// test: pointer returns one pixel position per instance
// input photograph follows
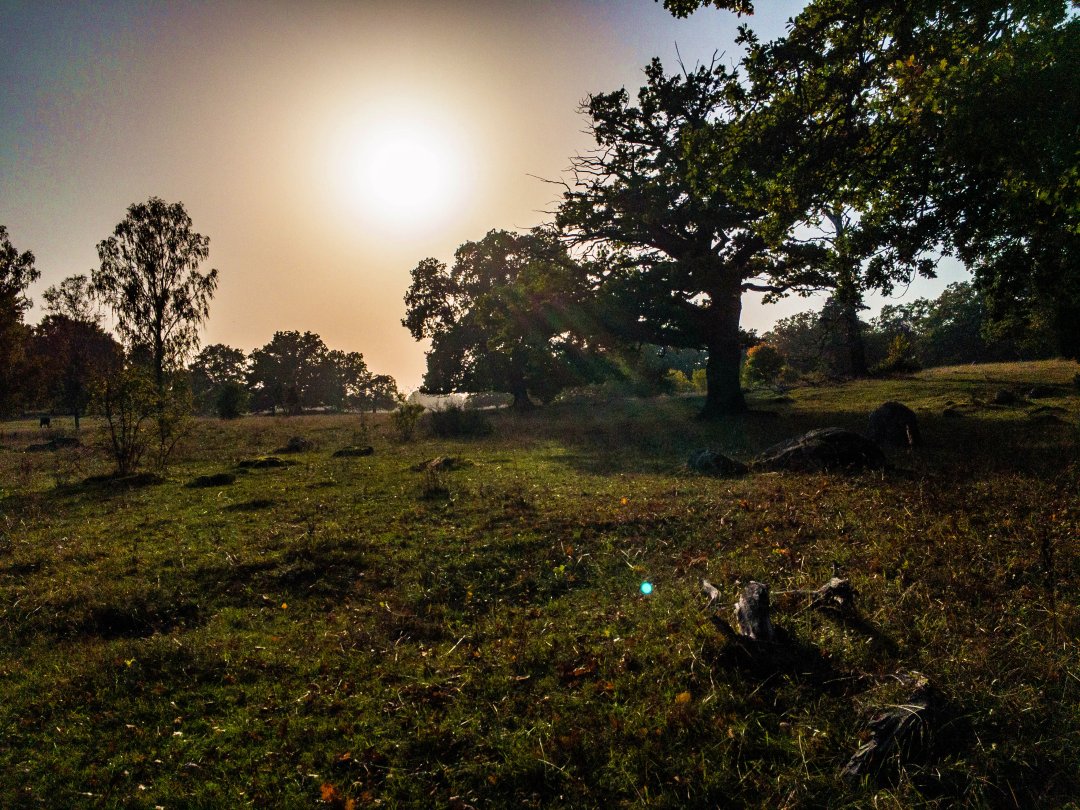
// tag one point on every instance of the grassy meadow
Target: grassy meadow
(345, 632)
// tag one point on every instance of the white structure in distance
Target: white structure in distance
(478, 401)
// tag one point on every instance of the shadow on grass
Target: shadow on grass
(254, 505)
(123, 616)
(658, 436)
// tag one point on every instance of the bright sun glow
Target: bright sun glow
(406, 173)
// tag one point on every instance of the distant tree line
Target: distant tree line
(955, 328)
(150, 281)
(847, 157)
(291, 373)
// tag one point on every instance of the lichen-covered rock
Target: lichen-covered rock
(824, 449)
(711, 462)
(896, 424)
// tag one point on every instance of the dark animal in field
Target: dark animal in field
(45, 422)
(895, 424)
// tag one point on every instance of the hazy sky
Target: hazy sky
(324, 147)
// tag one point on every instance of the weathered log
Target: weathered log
(440, 464)
(835, 595)
(711, 591)
(752, 613)
(354, 451)
(714, 595)
(900, 735)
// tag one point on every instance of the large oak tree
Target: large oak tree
(947, 125)
(678, 253)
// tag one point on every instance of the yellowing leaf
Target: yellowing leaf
(682, 697)
(329, 793)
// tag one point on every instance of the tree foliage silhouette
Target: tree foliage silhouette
(17, 273)
(149, 276)
(505, 316)
(678, 254)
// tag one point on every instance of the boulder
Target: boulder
(824, 449)
(264, 463)
(1005, 397)
(296, 444)
(216, 480)
(349, 452)
(711, 462)
(895, 424)
(1040, 392)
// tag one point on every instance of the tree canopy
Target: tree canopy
(296, 371)
(505, 316)
(149, 275)
(948, 126)
(678, 254)
(73, 298)
(17, 273)
(69, 359)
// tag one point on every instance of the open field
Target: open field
(351, 631)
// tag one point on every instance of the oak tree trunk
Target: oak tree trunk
(723, 394)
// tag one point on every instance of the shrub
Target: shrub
(901, 358)
(231, 401)
(682, 382)
(403, 421)
(128, 402)
(700, 380)
(763, 365)
(454, 421)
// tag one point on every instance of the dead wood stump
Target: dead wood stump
(899, 735)
(752, 613)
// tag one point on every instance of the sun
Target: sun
(407, 173)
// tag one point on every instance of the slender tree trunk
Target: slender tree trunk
(724, 394)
